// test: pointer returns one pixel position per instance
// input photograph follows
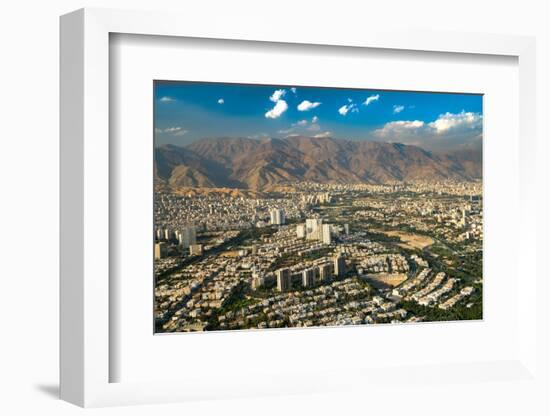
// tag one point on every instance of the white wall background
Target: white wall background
(29, 57)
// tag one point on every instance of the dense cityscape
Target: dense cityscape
(316, 254)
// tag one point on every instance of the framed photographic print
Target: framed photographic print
(293, 212)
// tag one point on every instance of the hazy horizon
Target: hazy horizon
(474, 144)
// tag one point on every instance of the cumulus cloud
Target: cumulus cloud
(166, 99)
(221, 101)
(398, 108)
(397, 128)
(174, 131)
(461, 121)
(345, 109)
(280, 107)
(293, 89)
(323, 135)
(371, 99)
(449, 129)
(277, 95)
(307, 105)
(302, 126)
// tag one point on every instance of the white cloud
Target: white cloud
(396, 128)
(221, 101)
(371, 99)
(174, 131)
(166, 99)
(345, 109)
(453, 122)
(398, 108)
(302, 126)
(293, 89)
(448, 129)
(307, 105)
(277, 95)
(280, 107)
(323, 135)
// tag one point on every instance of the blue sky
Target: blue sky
(188, 111)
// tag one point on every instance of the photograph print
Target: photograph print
(286, 206)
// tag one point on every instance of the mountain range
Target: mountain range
(263, 164)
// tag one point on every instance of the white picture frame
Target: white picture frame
(85, 212)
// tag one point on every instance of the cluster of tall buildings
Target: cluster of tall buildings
(319, 198)
(185, 236)
(311, 275)
(314, 229)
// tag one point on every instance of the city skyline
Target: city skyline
(189, 111)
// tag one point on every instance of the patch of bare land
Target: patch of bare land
(409, 240)
(385, 280)
(284, 189)
(230, 253)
